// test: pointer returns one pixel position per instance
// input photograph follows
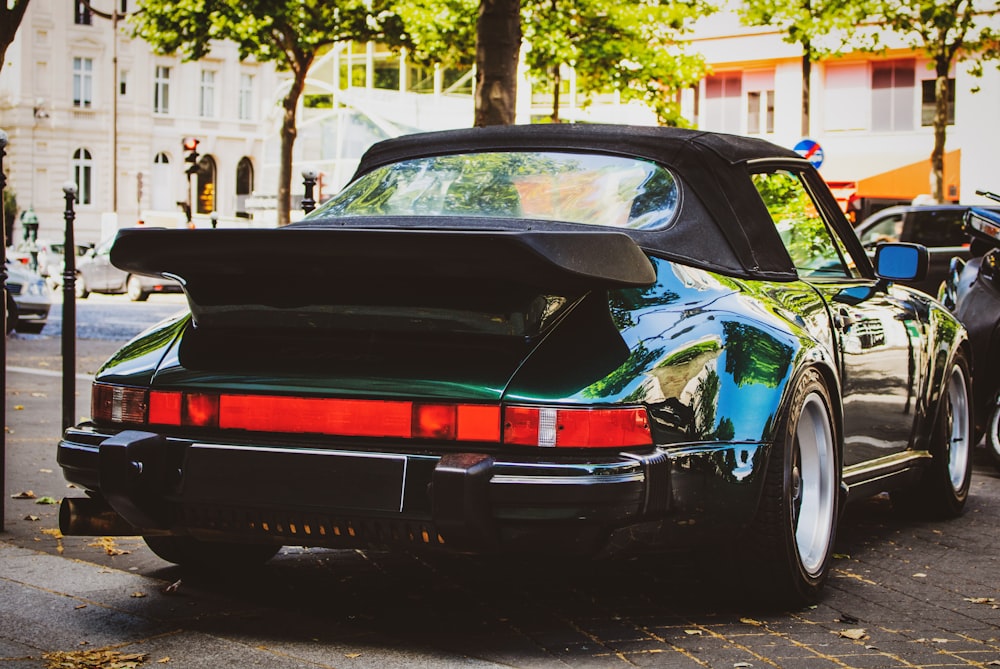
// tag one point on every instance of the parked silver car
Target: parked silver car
(96, 274)
(28, 300)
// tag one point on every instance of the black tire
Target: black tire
(29, 328)
(210, 555)
(11, 313)
(993, 432)
(80, 288)
(133, 288)
(796, 521)
(943, 488)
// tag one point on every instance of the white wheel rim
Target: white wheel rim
(993, 433)
(958, 435)
(814, 485)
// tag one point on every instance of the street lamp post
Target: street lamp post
(309, 182)
(69, 312)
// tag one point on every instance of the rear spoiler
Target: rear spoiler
(289, 267)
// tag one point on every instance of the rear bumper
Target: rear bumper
(460, 501)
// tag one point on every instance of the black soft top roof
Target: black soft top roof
(722, 224)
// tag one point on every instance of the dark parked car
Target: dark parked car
(585, 340)
(936, 226)
(96, 274)
(28, 300)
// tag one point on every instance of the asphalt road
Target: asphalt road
(903, 593)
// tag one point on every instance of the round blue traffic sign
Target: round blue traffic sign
(811, 151)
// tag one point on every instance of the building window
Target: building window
(161, 90)
(83, 175)
(205, 184)
(207, 104)
(723, 97)
(81, 13)
(244, 186)
(893, 83)
(123, 83)
(846, 96)
(246, 97)
(83, 82)
(760, 112)
(928, 106)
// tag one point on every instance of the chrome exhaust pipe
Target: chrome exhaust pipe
(86, 516)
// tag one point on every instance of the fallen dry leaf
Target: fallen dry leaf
(693, 632)
(57, 535)
(46, 500)
(172, 588)
(32, 518)
(93, 659)
(351, 656)
(18, 407)
(856, 634)
(980, 600)
(138, 594)
(163, 660)
(920, 575)
(109, 546)
(24, 494)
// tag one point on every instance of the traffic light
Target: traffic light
(191, 154)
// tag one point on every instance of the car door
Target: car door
(876, 327)
(101, 276)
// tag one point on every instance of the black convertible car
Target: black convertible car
(588, 340)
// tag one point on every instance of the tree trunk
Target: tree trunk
(940, 130)
(288, 134)
(556, 83)
(498, 46)
(10, 19)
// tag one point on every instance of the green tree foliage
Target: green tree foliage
(289, 33)
(949, 32)
(632, 48)
(11, 13)
(442, 32)
(810, 24)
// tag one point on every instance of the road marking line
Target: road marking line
(46, 372)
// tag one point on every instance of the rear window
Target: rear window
(610, 191)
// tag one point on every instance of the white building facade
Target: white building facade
(81, 104)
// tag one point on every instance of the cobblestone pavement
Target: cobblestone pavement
(903, 593)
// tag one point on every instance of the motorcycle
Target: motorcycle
(972, 293)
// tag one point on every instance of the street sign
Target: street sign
(811, 151)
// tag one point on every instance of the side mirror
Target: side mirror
(901, 262)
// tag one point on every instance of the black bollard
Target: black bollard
(309, 181)
(3, 328)
(69, 313)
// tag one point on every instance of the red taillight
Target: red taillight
(200, 410)
(521, 425)
(576, 428)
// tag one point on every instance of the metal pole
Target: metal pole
(69, 313)
(3, 323)
(309, 181)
